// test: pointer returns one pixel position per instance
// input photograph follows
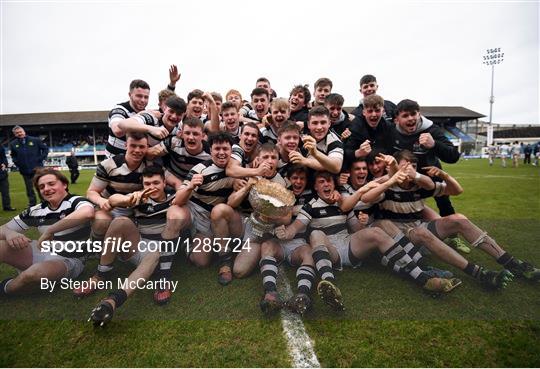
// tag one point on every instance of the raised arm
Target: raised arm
(453, 188)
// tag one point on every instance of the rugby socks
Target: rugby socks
(409, 247)
(474, 270)
(321, 256)
(119, 297)
(400, 262)
(166, 257)
(104, 271)
(269, 271)
(3, 286)
(305, 275)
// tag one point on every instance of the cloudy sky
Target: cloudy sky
(81, 55)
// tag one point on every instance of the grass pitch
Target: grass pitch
(388, 321)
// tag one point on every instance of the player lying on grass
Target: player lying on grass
(156, 226)
(60, 217)
(332, 244)
(403, 203)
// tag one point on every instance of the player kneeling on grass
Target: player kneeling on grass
(403, 203)
(61, 217)
(332, 244)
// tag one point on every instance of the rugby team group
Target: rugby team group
(182, 175)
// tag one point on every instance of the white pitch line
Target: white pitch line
(299, 343)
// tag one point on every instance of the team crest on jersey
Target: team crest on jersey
(150, 208)
(214, 177)
(323, 212)
(30, 143)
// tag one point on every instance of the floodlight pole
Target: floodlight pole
(492, 57)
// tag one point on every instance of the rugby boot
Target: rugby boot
(162, 296)
(331, 295)
(270, 303)
(496, 279)
(459, 245)
(299, 303)
(442, 285)
(523, 269)
(101, 314)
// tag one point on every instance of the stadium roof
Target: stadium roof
(455, 113)
(37, 119)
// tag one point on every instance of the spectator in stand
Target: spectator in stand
(73, 165)
(4, 182)
(27, 153)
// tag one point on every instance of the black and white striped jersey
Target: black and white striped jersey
(42, 217)
(403, 205)
(117, 177)
(319, 215)
(239, 155)
(331, 146)
(115, 144)
(151, 216)
(178, 160)
(367, 208)
(216, 186)
(268, 134)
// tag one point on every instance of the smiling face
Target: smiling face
(359, 173)
(369, 88)
(324, 187)
(221, 153)
(408, 121)
(377, 168)
(249, 139)
(298, 182)
(171, 118)
(297, 101)
(136, 149)
(157, 182)
(19, 133)
(289, 141)
(318, 126)
(138, 98)
(195, 107)
(51, 188)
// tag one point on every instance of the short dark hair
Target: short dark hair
(220, 137)
(405, 155)
(267, 146)
(321, 82)
(367, 78)
(177, 104)
(303, 89)
(138, 83)
(334, 99)
(193, 122)
(250, 125)
(136, 136)
(41, 171)
(262, 79)
(152, 170)
(325, 175)
(196, 93)
(372, 156)
(228, 105)
(358, 160)
(260, 91)
(296, 168)
(289, 126)
(410, 106)
(318, 110)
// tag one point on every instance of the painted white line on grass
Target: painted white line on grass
(299, 343)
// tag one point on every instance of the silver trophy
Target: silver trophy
(269, 201)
